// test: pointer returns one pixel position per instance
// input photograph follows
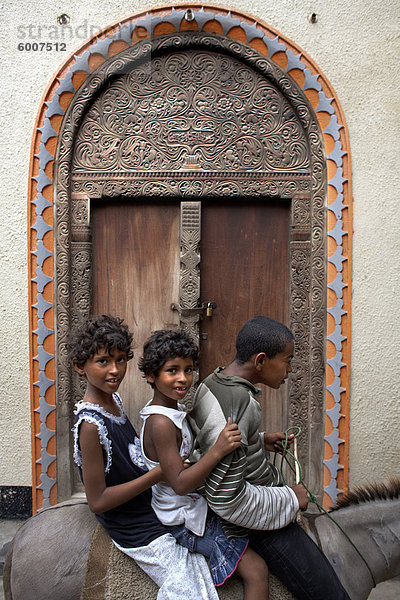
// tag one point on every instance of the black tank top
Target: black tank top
(134, 523)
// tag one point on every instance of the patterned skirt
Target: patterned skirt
(177, 572)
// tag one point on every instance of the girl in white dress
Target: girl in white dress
(169, 357)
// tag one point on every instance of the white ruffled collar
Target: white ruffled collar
(80, 406)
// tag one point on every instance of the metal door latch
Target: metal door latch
(208, 307)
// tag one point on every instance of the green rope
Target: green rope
(289, 458)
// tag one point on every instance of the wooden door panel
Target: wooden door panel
(136, 276)
(244, 269)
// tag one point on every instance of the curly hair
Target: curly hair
(165, 344)
(103, 331)
(261, 334)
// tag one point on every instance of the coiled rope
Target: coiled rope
(294, 465)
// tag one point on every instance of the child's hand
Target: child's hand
(228, 440)
(273, 441)
(302, 495)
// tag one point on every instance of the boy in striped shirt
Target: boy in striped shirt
(245, 489)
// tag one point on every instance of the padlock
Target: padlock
(209, 309)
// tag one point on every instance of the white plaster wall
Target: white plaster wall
(356, 44)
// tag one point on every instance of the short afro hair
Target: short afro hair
(261, 334)
(165, 344)
(103, 331)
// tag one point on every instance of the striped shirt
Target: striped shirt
(244, 489)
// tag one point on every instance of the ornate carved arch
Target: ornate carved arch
(108, 59)
(268, 145)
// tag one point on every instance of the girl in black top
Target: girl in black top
(106, 452)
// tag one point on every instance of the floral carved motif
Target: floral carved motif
(214, 114)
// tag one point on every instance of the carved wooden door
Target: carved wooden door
(196, 167)
(243, 269)
(135, 276)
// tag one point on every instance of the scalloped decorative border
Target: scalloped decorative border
(112, 40)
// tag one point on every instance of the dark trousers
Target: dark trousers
(292, 556)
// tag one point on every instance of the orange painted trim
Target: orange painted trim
(30, 303)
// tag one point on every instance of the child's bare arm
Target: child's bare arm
(185, 480)
(100, 497)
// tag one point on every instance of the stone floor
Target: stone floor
(387, 590)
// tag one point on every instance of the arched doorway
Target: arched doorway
(146, 141)
(199, 117)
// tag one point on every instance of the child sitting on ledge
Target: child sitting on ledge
(106, 450)
(245, 489)
(169, 358)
